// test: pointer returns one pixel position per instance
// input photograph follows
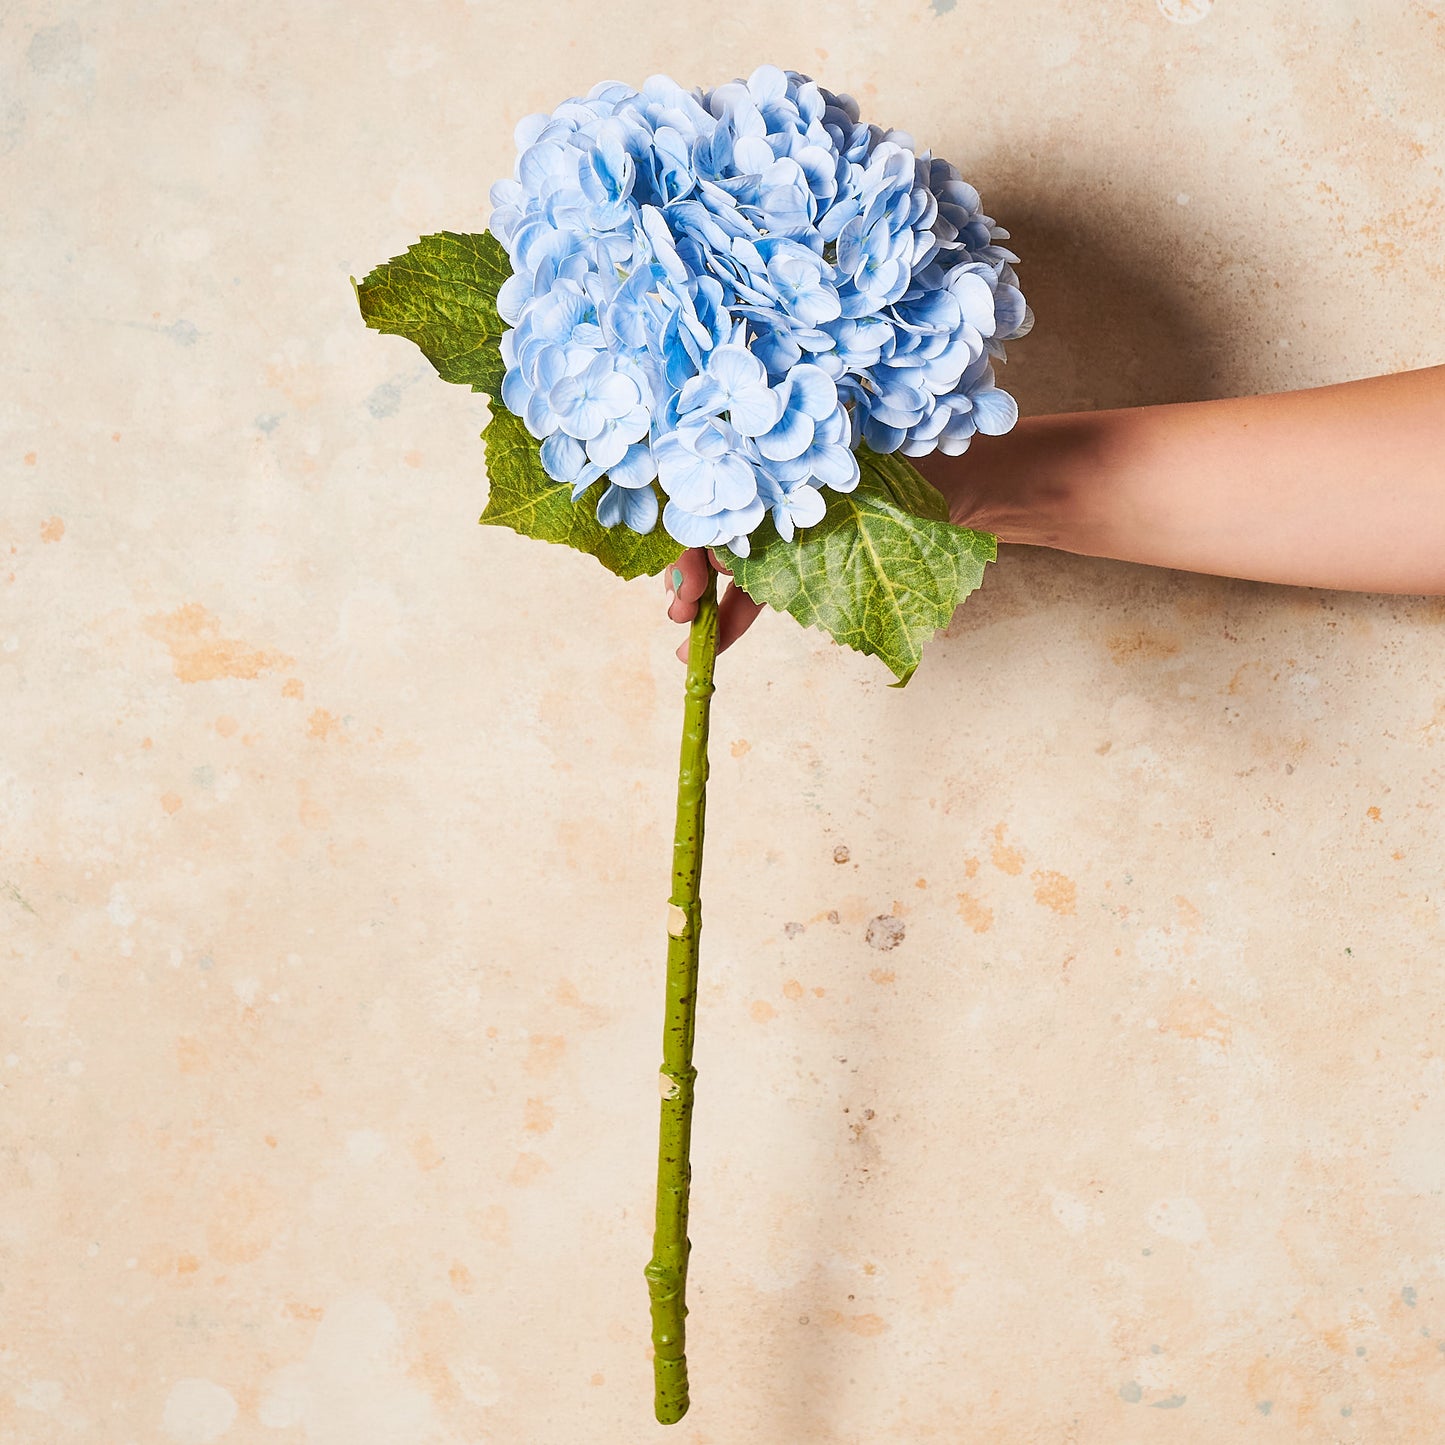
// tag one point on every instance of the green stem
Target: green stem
(667, 1272)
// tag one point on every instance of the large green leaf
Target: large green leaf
(524, 498)
(442, 295)
(881, 572)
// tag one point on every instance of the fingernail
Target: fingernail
(676, 578)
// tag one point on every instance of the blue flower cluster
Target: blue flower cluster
(726, 291)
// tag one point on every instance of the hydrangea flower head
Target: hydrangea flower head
(724, 292)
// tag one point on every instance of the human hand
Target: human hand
(685, 581)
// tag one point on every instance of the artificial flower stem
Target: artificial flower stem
(667, 1271)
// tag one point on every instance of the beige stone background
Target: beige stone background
(334, 829)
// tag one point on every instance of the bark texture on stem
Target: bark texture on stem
(667, 1271)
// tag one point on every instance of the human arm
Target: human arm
(1337, 486)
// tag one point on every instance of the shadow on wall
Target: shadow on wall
(1115, 327)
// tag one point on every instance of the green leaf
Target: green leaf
(442, 295)
(905, 484)
(524, 498)
(881, 572)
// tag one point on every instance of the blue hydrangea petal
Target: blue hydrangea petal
(688, 528)
(610, 445)
(636, 509)
(882, 438)
(636, 469)
(813, 391)
(802, 506)
(790, 438)
(563, 457)
(768, 84)
(837, 467)
(755, 411)
(1009, 308)
(737, 370)
(778, 350)
(994, 411)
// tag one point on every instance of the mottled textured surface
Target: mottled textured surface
(1071, 1057)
